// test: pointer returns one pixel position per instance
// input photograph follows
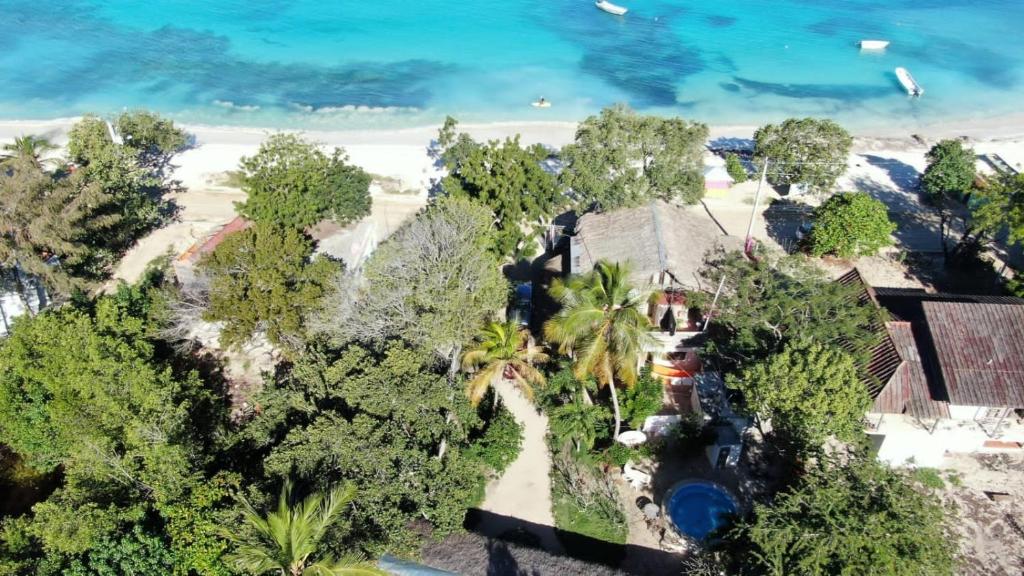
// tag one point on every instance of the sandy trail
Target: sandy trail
(523, 492)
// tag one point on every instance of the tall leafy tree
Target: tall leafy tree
(851, 224)
(601, 326)
(994, 209)
(808, 392)
(768, 302)
(287, 541)
(579, 423)
(806, 151)
(854, 518)
(507, 178)
(620, 158)
(504, 351)
(264, 279)
(433, 283)
(291, 183)
(27, 150)
(153, 139)
(370, 417)
(950, 171)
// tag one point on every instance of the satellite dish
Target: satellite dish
(632, 438)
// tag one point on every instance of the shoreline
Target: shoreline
(402, 153)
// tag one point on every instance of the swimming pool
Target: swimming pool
(697, 508)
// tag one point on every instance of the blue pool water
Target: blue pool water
(698, 508)
(348, 63)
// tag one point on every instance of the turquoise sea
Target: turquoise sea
(346, 64)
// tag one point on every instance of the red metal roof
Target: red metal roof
(980, 351)
(200, 249)
(908, 391)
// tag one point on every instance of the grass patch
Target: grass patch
(585, 502)
(929, 477)
(954, 479)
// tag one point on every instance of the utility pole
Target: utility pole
(748, 244)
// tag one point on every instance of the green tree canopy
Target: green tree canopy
(371, 417)
(263, 279)
(291, 183)
(851, 224)
(433, 283)
(766, 303)
(856, 518)
(950, 170)
(808, 392)
(623, 159)
(505, 177)
(154, 140)
(806, 151)
(995, 209)
(28, 150)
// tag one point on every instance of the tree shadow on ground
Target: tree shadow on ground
(918, 226)
(903, 175)
(783, 218)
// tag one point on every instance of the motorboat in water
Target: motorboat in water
(874, 44)
(611, 8)
(908, 82)
(542, 103)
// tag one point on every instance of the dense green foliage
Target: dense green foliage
(86, 388)
(773, 300)
(506, 178)
(734, 166)
(807, 392)
(601, 325)
(68, 228)
(994, 209)
(372, 417)
(805, 151)
(643, 399)
(433, 283)
(263, 279)
(578, 423)
(287, 540)
(291, 183)
(851, 224)
(624, 159)
(154, 139)
(27, 151)
(499, 443)
(950, 171)
(856, 518)
(504, 351)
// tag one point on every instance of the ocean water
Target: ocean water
(333, 64)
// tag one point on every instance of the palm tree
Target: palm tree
(579, 422)
(601, 326)
(27, 149)
(283, 542)
(504, 350)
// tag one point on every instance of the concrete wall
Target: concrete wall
(906, 440)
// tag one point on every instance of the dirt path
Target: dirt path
(523, 492)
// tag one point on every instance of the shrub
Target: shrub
(500, 442)
(584, 501)
(929, 478)
(643, 399)
(734, 166)
(950, 170)
(851, 224)
(691, 436)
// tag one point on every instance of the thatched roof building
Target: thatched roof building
(664, 243)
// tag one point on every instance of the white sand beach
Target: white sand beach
(887, 164)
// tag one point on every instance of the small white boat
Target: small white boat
(908, 82)
(542, 103)
(874, 44)
(610, 8)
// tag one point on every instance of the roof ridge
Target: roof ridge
(662, 257)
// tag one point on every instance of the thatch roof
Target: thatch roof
(655, 238)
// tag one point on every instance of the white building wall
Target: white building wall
(910, 441)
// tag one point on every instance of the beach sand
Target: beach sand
(885, 163)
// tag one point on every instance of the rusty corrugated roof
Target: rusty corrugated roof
(908, 390)
(883, 359)
(980, 351)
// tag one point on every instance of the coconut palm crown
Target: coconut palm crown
(504, 350)
(26, 149)
(284, 542)
(602, 326)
